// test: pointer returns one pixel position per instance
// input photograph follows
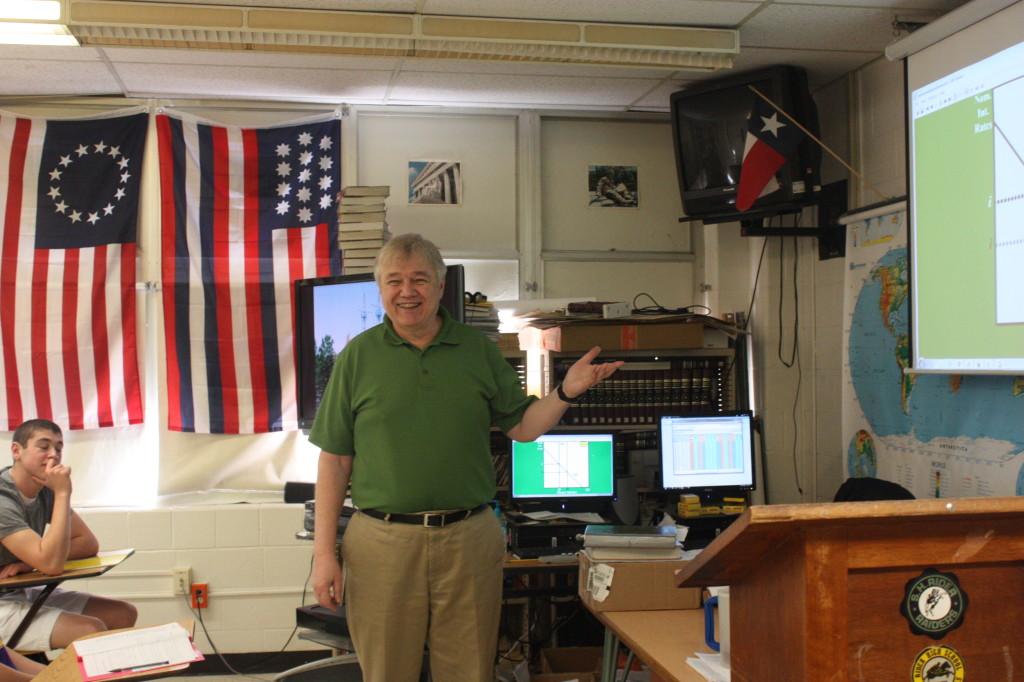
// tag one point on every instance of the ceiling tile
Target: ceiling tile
(657, 99)
(29, 77)
(219, 82)
(676, 12)
(533, 91)
(820, 27)
(939, 5)
(49, 53)
(822, 66)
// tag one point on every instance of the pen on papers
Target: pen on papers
(143, 666)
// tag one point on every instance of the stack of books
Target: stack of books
(644, 391)
(362, 226)
(630, 543)
(482, 315)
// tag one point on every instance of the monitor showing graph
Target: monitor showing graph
(707, 451)
(562, 466)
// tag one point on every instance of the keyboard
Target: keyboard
(538, 552)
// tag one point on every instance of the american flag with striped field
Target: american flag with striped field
(69, 195)
(244, 213)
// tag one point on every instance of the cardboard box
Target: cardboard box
(611, 337)
(508, 343)
(638, 586)
(583, 660)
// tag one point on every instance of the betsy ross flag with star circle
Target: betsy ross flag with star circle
(244, 213)
(70, 198)
(771, 139)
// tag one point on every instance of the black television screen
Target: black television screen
(709, 128)
(329, 311)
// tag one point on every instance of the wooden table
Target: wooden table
(661, 639)
(89, 567)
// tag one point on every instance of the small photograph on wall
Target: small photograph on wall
(613, 187)
(435, 182)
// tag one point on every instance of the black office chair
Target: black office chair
(868, 488)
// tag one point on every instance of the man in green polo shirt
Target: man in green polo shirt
(406, 418)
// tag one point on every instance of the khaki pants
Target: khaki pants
(406, 585)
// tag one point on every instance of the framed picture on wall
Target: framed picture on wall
(613, 186)
(435, 182)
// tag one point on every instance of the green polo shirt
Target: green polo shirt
(418, 421)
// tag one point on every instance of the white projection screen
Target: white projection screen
(965, 132)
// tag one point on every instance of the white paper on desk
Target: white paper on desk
(583, 517)
(711, 667)
(159, 646)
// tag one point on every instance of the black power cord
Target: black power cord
(198, 613)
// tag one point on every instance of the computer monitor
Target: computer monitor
(706, 452)
(564, 471)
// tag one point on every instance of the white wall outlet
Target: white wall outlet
(182, 578)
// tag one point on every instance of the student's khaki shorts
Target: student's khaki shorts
(16, 603)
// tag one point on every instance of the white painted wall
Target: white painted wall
(622, 242)
(246, 553)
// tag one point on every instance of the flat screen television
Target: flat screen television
(329, 311)
(564, 471)
(709, 130)
(707, 453)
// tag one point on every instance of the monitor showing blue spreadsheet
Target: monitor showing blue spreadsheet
(707, 451)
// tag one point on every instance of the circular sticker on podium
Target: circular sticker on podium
(938, 664)
(933, 603)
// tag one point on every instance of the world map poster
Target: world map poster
(936, 435)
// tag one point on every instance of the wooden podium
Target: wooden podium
(820, 591)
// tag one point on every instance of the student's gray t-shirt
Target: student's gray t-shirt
(17, 514)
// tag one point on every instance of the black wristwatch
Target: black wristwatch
(564, 398)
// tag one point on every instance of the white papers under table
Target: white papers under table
(711, 667)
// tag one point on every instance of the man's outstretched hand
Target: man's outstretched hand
(584, 373)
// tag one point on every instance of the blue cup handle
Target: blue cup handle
(709, 623)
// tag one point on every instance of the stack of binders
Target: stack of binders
(631, 543)
(362, 227)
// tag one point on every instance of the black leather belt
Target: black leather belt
(431, 519)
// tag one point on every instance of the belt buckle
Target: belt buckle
(429, 515)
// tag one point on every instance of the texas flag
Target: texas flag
(771, 139)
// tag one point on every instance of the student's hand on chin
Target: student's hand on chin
(58, 477)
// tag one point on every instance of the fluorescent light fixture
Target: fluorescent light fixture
(33, 22)
(22, 33)
(167, 24)
(30, 10)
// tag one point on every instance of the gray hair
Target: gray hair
(409, 244)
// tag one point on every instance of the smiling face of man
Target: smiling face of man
(411, 293)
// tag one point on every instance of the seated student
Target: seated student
(16, 668)
(34, 492)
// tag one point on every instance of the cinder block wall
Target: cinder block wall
(246, 553)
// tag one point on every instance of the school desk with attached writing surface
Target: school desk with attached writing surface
(89, 567)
